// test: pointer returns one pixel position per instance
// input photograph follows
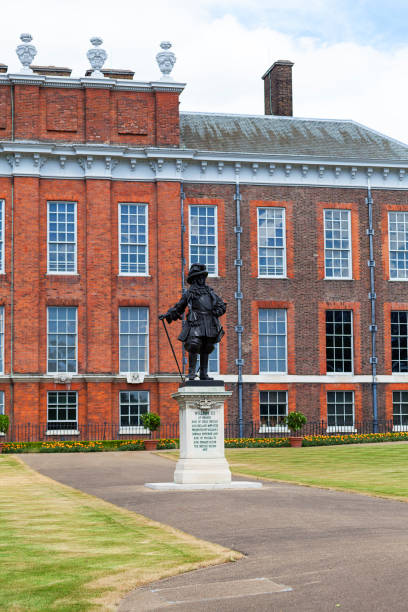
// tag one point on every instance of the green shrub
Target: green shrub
(295, 421)
(151, 421)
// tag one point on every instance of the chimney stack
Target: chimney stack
(278, 89)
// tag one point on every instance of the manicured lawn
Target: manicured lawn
(375, 469)
(63, 550)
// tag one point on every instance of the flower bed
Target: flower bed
(73, 446)
(256, 442)
(318, 440)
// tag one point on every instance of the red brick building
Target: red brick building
(107, 195)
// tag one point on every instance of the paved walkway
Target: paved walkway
(306, 549)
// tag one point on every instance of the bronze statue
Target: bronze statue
(201, 328)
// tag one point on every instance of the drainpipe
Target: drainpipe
(183, 261)
(239, 296)
(372, 297)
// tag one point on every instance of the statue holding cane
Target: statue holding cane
(201, 328)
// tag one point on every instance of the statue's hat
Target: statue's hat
(196, 269)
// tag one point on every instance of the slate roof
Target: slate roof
(287, 136)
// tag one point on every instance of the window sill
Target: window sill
(62, 274)
(396, 280)
(2, 434)
(133, 430)
(267, 429)
(400, 428)
(59, 432)
(338, 279)
(342, 429)
(339, 373)
(273, 277)
(134, 275)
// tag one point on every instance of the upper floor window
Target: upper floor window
(271, 242)
(339, 341)
(2, 410)
(62, 339)
(133, 339)
(337, 244)
(1, 236)
(213, 360)
(133, 239)
(272, 340)
(62, 238)
(399, 340)
(398, 244)
(203, 237)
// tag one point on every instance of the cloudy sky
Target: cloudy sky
(351, 56)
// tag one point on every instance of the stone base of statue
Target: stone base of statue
(202, 463)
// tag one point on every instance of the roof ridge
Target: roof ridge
(272, 117)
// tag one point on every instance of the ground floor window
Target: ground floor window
(62, 411)
(273, 408)
(132, 405)
(400, 410)
(340, 410)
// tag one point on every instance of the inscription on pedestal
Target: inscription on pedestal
(204, 430)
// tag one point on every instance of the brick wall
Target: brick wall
(103, 116)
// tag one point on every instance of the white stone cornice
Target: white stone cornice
(271, 379)
(90, 82)
(116, 162)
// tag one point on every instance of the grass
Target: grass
(375, 469)
(63, 550)
(372, 469)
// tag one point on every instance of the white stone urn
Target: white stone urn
(97, 57)
(26, 53)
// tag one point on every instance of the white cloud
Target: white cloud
(220, 57)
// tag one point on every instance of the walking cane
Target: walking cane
(172, 350)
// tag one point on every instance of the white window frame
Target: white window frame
(351, 372)
(274, 428)
(398, 372)
(350, 250)
(397, 427)
(123, 372)
(56, 272)
(62, 432)
(146, 206)
(284, 274)
(2, 339)
(133, 429)
(404, 279)
(2, 237)
(76, 341)
(217, 351)
(2, 408)
(285, 371)
(341, 428)
(212, 274)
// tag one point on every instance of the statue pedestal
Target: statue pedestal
(202, 458)
(202, 463)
